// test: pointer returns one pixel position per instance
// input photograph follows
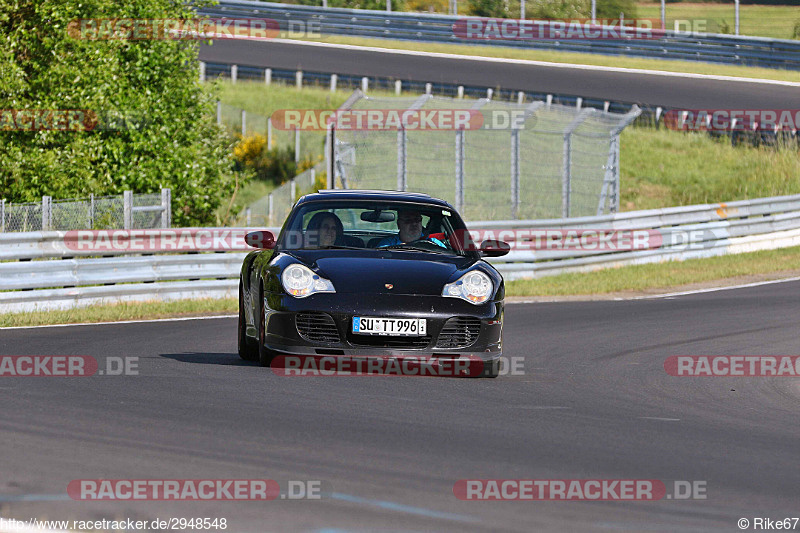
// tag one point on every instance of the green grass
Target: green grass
(776, 22)
(669, 275)
(663, 168)
(123, 311)
(572, 58)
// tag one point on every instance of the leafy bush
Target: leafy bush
(796, 31)
(178, 146)
(276, 165)
(559, 9)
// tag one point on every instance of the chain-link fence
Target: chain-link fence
(272, 210)
(526, 161)
(307, 144)
(129, 211)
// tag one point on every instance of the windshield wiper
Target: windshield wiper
(412, 248)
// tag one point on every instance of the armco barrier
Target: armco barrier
(715, 48)
(47, 270)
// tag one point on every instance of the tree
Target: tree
(43, 67)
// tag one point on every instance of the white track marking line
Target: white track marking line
(538, 63)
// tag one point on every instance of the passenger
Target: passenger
(409, 225)
(324, 229)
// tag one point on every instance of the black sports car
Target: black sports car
(371, 273)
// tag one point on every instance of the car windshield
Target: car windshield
(362, 224)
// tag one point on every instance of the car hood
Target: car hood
(356, 271)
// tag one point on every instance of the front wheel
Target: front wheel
(247, 349)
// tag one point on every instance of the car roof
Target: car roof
(375, 195)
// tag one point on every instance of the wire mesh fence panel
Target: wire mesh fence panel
(22, 217)
(109, 213)
(529, 160)
(146, 219)
(100, 212)
(282, 203)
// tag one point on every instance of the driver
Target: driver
(409, 224)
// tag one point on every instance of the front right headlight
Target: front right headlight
(474, 287)
(300, 281)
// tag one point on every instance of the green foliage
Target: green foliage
(43, 67)
(275, 165)
(488, 8)
(796, 30)
(559, 9)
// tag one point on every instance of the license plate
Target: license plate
(367, 325)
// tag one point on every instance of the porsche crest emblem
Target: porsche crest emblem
(389, 286)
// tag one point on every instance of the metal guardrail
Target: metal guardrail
(715, 48)
(28, 283)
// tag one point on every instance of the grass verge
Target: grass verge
(571, 58)
(122, 311)
(670, 275)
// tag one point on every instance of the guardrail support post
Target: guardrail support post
(460, 91)
(296, 145)
(428, 88)
(166, 208)
(127, 209)
(293, 192)
(489, 93)
(47, 212)
(364, 84)
(202, 71)
(268, 76)
(244, 123)
(269, 209)
(520, 97)
(578, 102)
(401, 160)
(269, 132)
(234, 73)
(298, 79)
(460, 152)
(514, 172)
(398, 87)
(334, 78)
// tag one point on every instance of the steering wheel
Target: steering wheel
(423, 244)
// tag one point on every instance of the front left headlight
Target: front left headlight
(300, 281)
(474, 287)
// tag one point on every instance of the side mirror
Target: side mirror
(492, 248)
(263, 240)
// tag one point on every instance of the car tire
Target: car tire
(265, 355)
(247, 348)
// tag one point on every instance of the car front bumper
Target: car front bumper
(481, 322)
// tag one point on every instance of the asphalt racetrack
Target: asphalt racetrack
(674, 91)
(593, 401)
